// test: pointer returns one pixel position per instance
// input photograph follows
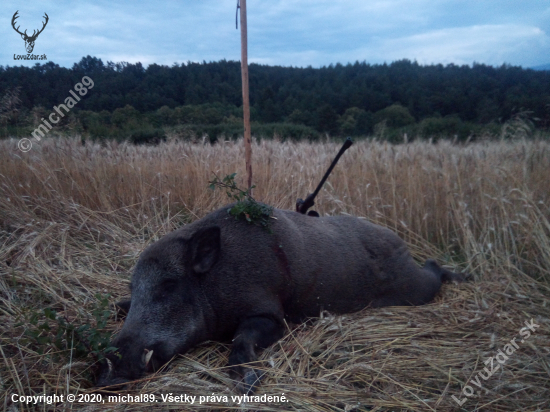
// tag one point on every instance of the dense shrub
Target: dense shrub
(151, 136)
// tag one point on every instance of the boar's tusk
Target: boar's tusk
(147, 356)
(110, 365)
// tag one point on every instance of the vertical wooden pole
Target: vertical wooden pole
(246, 101)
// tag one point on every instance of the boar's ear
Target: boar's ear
(205, 249)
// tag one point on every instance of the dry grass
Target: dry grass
(74, 218)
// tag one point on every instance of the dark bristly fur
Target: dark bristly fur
(220, 278)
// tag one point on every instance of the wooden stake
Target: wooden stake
(246, 101)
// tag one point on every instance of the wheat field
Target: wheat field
(75, 216)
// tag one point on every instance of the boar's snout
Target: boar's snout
(128, 363)
(107, 375)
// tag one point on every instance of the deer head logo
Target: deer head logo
(29, 40)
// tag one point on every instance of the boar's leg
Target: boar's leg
(255, 332)
(419, 287)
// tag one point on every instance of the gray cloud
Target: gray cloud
(285, 32)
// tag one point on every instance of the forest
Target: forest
(196, 99)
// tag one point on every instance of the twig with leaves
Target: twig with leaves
(246, 207)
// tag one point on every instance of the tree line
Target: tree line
(354, 99)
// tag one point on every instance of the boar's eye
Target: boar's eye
(166, 288)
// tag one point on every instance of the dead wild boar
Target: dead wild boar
(222, 279)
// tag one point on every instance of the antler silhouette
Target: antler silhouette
(29, 40)
(34, 36)
(13, 24)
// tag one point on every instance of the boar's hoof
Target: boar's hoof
(444, 274)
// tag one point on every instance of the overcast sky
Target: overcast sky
(283, 32)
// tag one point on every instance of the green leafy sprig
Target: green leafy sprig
(246, 207)
(47, 331)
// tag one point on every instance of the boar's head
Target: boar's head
(168, 312)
